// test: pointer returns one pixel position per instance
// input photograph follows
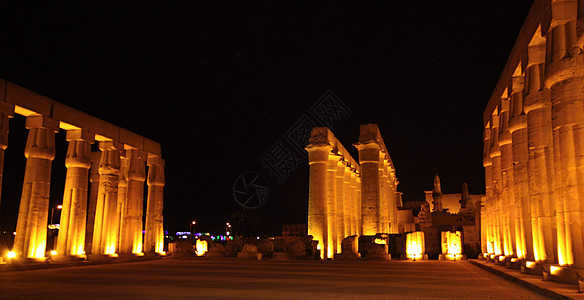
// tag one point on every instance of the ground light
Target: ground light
(11, 254)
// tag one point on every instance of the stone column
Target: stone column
(71, 237)
(340, 207)
(31, 228)
(355, 208)
(507, 202)
(154, 238)
(317, 194)
(132, 216)
(93, 191)
(540, 164)
(105, 228)
(370, 192)
(6, 112)
(565, 79)
(331, 204)
(518, 130)
(487, 233)
(122, 202)
(347, 201)
(359, 203)
(383, 220)
(495, 154)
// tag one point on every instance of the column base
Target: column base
(513, 263)
(65, 258)
(531, 267)
(561, 274)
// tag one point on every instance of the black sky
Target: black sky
(218, 83)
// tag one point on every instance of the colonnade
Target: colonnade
(534, 143)
(334, 192)
(111, 181)
(379, 183)
(338, 184)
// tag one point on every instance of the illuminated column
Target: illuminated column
(518, 129)
(331, 183)
(565, 79)
(154, 237)
(93, 191)
(487, 234)
(540, 164)
(497, 220)
(6, 112)
(507, 202)
(104, 230)
(359, 204)
(370, 192)
(122, 241)
(131, 232)
(71, 238)
(383, 221)
(355, 209)
(347, 201)
(340, 206)
(31, 229)
(317, 194)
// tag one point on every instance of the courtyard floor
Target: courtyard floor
(235, 279)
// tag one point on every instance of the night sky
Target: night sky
(218, 84)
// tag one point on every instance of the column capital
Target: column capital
(40, 121)
(80, 134)
(110, 145)
(155, 171)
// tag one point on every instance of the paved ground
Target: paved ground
(231, 279)
(534, 282)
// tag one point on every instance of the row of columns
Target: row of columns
(334, 193)
(379, 195)
(114, 221)
(347, 198)
(534, 151)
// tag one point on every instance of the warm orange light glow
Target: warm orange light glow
(202, 247)
(555, 270)
(379, 241)
(59, 206)
(530, 264)
(514, 260)
(451, 243)
(53, 252)
(11, 254)
(501, 258)
(114, 255)
(415, 244)
(140, 254)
